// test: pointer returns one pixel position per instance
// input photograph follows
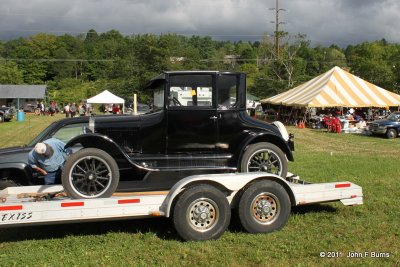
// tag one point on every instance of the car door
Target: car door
(231, 107)
(191, 109)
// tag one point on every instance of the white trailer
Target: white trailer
(199, 205)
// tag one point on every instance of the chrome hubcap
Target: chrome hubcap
(203, 214)
(265, 208)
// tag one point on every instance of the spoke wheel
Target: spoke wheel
(264, 157)
(90, 173)
(264, 160)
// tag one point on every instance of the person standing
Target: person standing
(49, 158)
(67, 110)
(116, 109)
(73, 110)
(82, 110)
(42, 108)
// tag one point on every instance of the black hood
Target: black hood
(15, 154)
(15, 149)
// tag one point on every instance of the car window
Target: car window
(68, 132)
(190, 91)
(227, 91)
(158, 99)
(394, 117)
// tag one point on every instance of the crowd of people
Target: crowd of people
(51, 109)
(114, 109)
(346, 119)
(340, 119)
(72, 110)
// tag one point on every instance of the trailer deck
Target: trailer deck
(31, 205)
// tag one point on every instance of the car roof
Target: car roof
(157, 79)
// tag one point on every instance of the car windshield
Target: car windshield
(65, 133)
(394, 117)
(158, 98)
(41, 135)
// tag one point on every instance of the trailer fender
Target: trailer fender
(230, 183)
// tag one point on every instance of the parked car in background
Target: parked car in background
(6, 113)
(389, 126)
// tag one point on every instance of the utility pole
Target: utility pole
(277, 22)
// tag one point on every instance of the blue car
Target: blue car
(389, 126)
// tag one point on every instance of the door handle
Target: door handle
(213, 118)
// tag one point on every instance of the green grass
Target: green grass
(370, 162)
(15, 133)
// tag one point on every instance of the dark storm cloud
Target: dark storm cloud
(323, 21)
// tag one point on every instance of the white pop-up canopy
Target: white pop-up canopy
(106, 97)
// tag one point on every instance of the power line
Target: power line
(57, 60)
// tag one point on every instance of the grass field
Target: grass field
(374, 227)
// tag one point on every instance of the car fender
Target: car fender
(23, 167)
(94, 140)
(97, 141)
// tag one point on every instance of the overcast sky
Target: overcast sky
(325, 22)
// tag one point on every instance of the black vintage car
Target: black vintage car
(197, 125)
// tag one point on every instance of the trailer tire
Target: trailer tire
(264, 157)
(201, 213)
(90, 173)
(264, 207)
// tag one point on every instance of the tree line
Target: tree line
(78, 67)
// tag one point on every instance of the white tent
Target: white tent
(106, 97)
(336, 88)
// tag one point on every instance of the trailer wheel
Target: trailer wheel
(201, 213)
(90, 173)
(264, 207)
(264, 157)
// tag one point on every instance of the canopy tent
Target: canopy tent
(336, 88)
(106, 97)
